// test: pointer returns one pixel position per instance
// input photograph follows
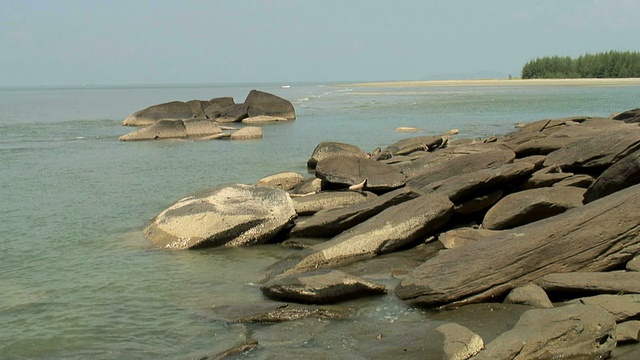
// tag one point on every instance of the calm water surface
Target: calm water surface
(78, 280)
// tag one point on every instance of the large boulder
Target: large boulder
(344, 171)
(247, 133)
(286, 180)
(622, 174)
(214, 105)
(530, 294)
(332, 221)
(629, 116)
(230, 114)
(414, 144)
(311, 204)
(331, 148)
(568, 332)
(172, 110)
(161, 129)
(622, 307)
(320, 287)
(262, 103)
(531, 205)
(598, 236)
(228, 215)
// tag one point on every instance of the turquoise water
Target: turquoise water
(78, 280)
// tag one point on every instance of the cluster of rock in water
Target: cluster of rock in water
(204, 119)
(551, 211)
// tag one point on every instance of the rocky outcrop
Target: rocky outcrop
(629, 116)
(460, 237)
(618, 176)
(162, 129)
(230, 215)
(330, 148)
(613, 282)
(311, 204)
(175, 110)
(247, 133)
(345, 171)
(621, 307)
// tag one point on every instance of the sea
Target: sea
(79, 281)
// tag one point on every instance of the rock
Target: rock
(598, 152)
(546, 177)
(320, 287)
(571, 332)
(463, 236)
(261, 103)
(629, 116)
(459, 342)
(263, 119)
(595, 237)
(422, 173)
(478, 203)
(634, 264)
(201, 127)
(247, 133)
(343, 171)
(309, 186)
(530, 294)
(332, 221)
(407, 129)
(622, 307)
(271, 313)
(329, 148)
(410, 145)
(228, 215)
(161, 129)
(578, 180)
(170, 111)
(393, 228)
(242, 348)
(614, 282)
(531, 205)
(544, 146)
(197, 111)
(214, 105)
(311, 204)
(628, 332)
(622, 174)
(284, 180)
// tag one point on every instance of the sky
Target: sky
(132, 42)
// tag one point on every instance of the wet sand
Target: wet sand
(502, 82)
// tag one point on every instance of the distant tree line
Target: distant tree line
(611, 64)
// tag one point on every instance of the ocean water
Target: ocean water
(78, 280)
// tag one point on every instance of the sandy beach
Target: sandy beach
(503, 82)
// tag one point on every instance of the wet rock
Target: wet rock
(530, 294)
(311, 204)
(622, 307)
(613, 282)
(531, 205)
(161, 129)
(595, 237)
(261, 103)
(463, 236)
(332, 221)
(173, 110)
(238, 349)
(344, 171)
(247, 133)
(271, 313)
(320, 287)
(629, 116)
(228, 215)
(284, 180)
(572, 332)
(622, 174)
(628, 332)
(330, 148)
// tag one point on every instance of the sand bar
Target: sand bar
(502, 82)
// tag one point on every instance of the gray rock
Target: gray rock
(332, 221)
(228, 215)
(460, 343)
(634, 264)
(161, 129)
(172, 111)
(530, 294)
(613, 282)
(214, 105)
(262, 103)
(198, 127)
(629, 116)
(531, 205)
(478, 203)
(309, 186)
(546, 177)
(344, 171)
(320, 287)
(230, 114)
(578, 180)
(628, 332)
(393, 228)
(263, 119)
(311, 204)
(247, 133)
(273, 312)
(621, 175)
(544, 146)
(622, 307)
(197, 109)
(463, 236)
(568, 332)
(284, 180)
(411, 145)
(330, 148)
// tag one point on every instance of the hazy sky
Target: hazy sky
(66, 42)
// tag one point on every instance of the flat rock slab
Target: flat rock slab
(331, 148)
(531, 205)
(344, 171)
(320, 287)
(263, 119)
(247, 133)
(228, 215)
(201, 127)
(568, 332)
(622, 307)
(311, 204)
(411, 145)
(621, 175)
(463, 236)
(613, 282)
(628, 332)
(330, 222)
(161, 129)
(595, 237)
(284, 180)
(393, 228)
(544, 146)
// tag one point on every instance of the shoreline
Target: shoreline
(500, 82)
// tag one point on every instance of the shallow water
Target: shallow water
(79, 281)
